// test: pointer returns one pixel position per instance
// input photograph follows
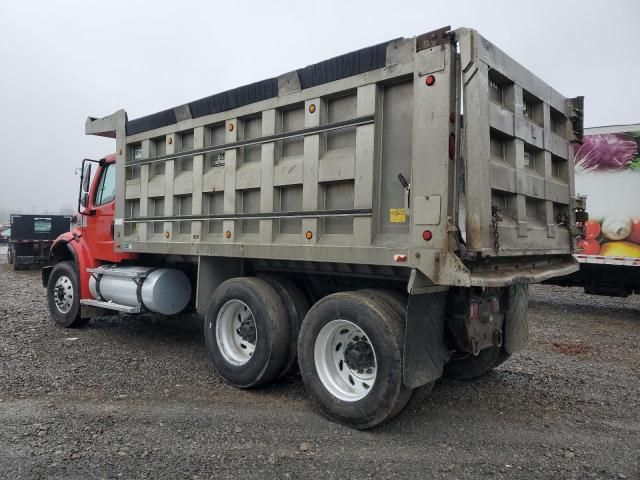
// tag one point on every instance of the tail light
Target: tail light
(495, 305)
(474, 312)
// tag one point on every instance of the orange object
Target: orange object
(592, 229)
(634, 236)
(589, 247)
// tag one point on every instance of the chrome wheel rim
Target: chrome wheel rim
(236, 332)
(63, 294)
(345, 360)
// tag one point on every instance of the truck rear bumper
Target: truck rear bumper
(501, 273)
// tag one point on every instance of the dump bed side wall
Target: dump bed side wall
(310, 175)
(518, 133)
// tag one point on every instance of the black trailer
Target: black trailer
(32, 236)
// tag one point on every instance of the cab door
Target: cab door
(99, 224)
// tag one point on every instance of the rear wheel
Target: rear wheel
(297, 306)
(63, 296)
(466, 366)
(399, 303)
(247, 332)
(350, 356)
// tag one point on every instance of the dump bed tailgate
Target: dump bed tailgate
(517, 134)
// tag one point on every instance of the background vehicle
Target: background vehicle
(608, 173)
(32, 237)
(5, 233)
(345, 213)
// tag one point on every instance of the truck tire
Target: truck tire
(399, 303)
(63, 296)
(350, 357)
(297, 306)
(247, 332)
(466, 366)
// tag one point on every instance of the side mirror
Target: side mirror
(85, 185)
(86, 178)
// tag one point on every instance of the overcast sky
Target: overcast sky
(63, 61)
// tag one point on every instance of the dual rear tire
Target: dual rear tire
(250, 329)
(350, 355)
(349, 345)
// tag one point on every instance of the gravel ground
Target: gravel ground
(135, 397)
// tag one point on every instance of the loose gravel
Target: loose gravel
(135, 397)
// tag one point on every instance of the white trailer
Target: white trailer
(608, 175)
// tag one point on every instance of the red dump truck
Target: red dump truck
(376, 216)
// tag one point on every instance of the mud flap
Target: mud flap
(516, 324)
(424, 351)
(45, 273)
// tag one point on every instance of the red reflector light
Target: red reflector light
(430, 80)
(427, 235)
(474, 311)
(400, 258)
(495, 305)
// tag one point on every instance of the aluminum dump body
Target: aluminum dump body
(438, 153)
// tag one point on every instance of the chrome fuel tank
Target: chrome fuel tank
(160, 290)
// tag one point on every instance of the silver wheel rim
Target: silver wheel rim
(334, 360)
(63, 294)
(236, 332)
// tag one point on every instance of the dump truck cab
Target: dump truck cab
(90, 243)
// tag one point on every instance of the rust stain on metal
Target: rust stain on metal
(433, 38)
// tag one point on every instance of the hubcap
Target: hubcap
(345, 360)
(63, 294)
(236, 332)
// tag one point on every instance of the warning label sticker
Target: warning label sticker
(397, 215)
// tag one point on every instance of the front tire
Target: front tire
(350, 357)
(63, 296)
